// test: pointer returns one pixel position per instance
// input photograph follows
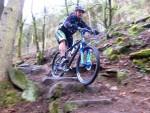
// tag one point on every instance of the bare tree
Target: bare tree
(35, 30)
(21, 25)
(1, 7)
(8, 28)
(107, 12)
(66, 5)
(78, 1)
(110, 12)
(43, 31)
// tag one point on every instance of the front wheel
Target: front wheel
(55, 71)
(88, 65)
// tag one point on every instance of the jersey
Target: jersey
(72, 19)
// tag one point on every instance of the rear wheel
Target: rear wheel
(56, 72)
(87, 71)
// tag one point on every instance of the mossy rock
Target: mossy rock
(135, 29)
(19, 79)
(122, 49)
(120, 40)
(111, 53)
(31, 93)
(114, 30)
(114, 57)
(145, 53)
(121, 75)
(136, 42)
(54, 107)
(55, 91)
(69, 107)
(142, 64)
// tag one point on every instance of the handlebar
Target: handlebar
(83, 30)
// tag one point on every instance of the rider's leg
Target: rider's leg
(61, 39)
(62, 48)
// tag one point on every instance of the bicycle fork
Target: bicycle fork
(85, 57)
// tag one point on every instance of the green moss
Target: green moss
(113, 57)
(54, 107)
(111, 54)
(121, 75)
(39, 57)
(119, 40)
(57, 92)
(5, 85)
(142, 64)
(31, 93)
(139, 63)
(145, 53)
(18, 78)
(8, 95)
(135, 29)
(69, 107)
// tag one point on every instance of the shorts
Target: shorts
(60, 36)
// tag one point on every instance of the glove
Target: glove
(95, 32)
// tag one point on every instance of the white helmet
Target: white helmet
(79, 8)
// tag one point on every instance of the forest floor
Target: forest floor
(131, 96)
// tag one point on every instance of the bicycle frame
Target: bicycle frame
(81, 44)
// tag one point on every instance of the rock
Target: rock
(135, 29)
(111, 53)
(54, 107)
(30, 69)
(145, 53)
(18, 78)
(70, 106)
(61, 88)
(50, 80)
(31, 93)
(121, 75)
(142, 64)
(114, 88)
(111, 72)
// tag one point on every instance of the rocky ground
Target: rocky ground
(108, 94)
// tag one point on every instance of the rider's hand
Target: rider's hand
(95, 32)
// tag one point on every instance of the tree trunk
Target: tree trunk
(35, 34)
(1, 7)
(78, 1)
(35, 30)
(66, 7)
(105, 14)
(43, 32)
(110, 12)
(8, 28)
(20, 38)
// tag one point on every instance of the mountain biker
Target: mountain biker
(69, 27)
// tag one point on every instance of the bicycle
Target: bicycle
(88, 60)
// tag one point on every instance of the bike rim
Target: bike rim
(87, 73)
